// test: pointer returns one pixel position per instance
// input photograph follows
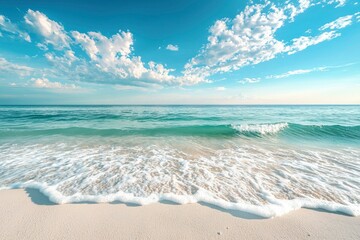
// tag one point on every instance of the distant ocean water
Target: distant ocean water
(265, 160)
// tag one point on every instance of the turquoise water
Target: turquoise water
(267, 160)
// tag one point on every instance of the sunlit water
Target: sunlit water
(265, 160)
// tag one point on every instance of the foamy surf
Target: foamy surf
(275, 207)
(257, 179)
(261, 128)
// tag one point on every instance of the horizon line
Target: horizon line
(197, 104)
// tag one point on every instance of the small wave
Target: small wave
(274, 207)
(226, 130)
(260, 128)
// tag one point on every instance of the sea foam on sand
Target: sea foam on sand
(22, 219)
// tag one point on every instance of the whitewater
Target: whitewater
(264, 160)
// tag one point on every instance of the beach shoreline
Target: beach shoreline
(26, 214)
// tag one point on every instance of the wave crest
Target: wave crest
(263, 129)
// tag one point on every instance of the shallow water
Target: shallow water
(265, 160)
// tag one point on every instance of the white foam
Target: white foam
(260, 128)
(274, 208)
(265, 180)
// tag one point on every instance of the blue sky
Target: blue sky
(180, 52)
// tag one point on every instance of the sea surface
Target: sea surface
(263, 160)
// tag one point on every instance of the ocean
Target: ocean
(263, 160)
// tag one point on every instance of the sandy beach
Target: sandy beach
(27, 214)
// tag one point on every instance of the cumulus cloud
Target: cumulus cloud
(52, 32)
(303, 42)
(338, 23)
(112, 55)
(110, 59)
(171, 47)
(46, 83)
(67, 59)
(7, 26)
(9, 67)
(246, 39)
(250, 38)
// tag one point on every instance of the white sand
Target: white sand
(25, 215)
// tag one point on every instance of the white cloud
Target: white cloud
(7, 26)
(45, 83)
(67, 59)
(247, 39)
(338, 23)
(42, 46)
(294, 72)
(113, 55)
(171, 47)
(340, 3)
(21, 70)
(52, 32)
(100, 47)
(297, 72)
(250, 38)
(110, 58)
(249, 80)
(303, 42)
(305, 71)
